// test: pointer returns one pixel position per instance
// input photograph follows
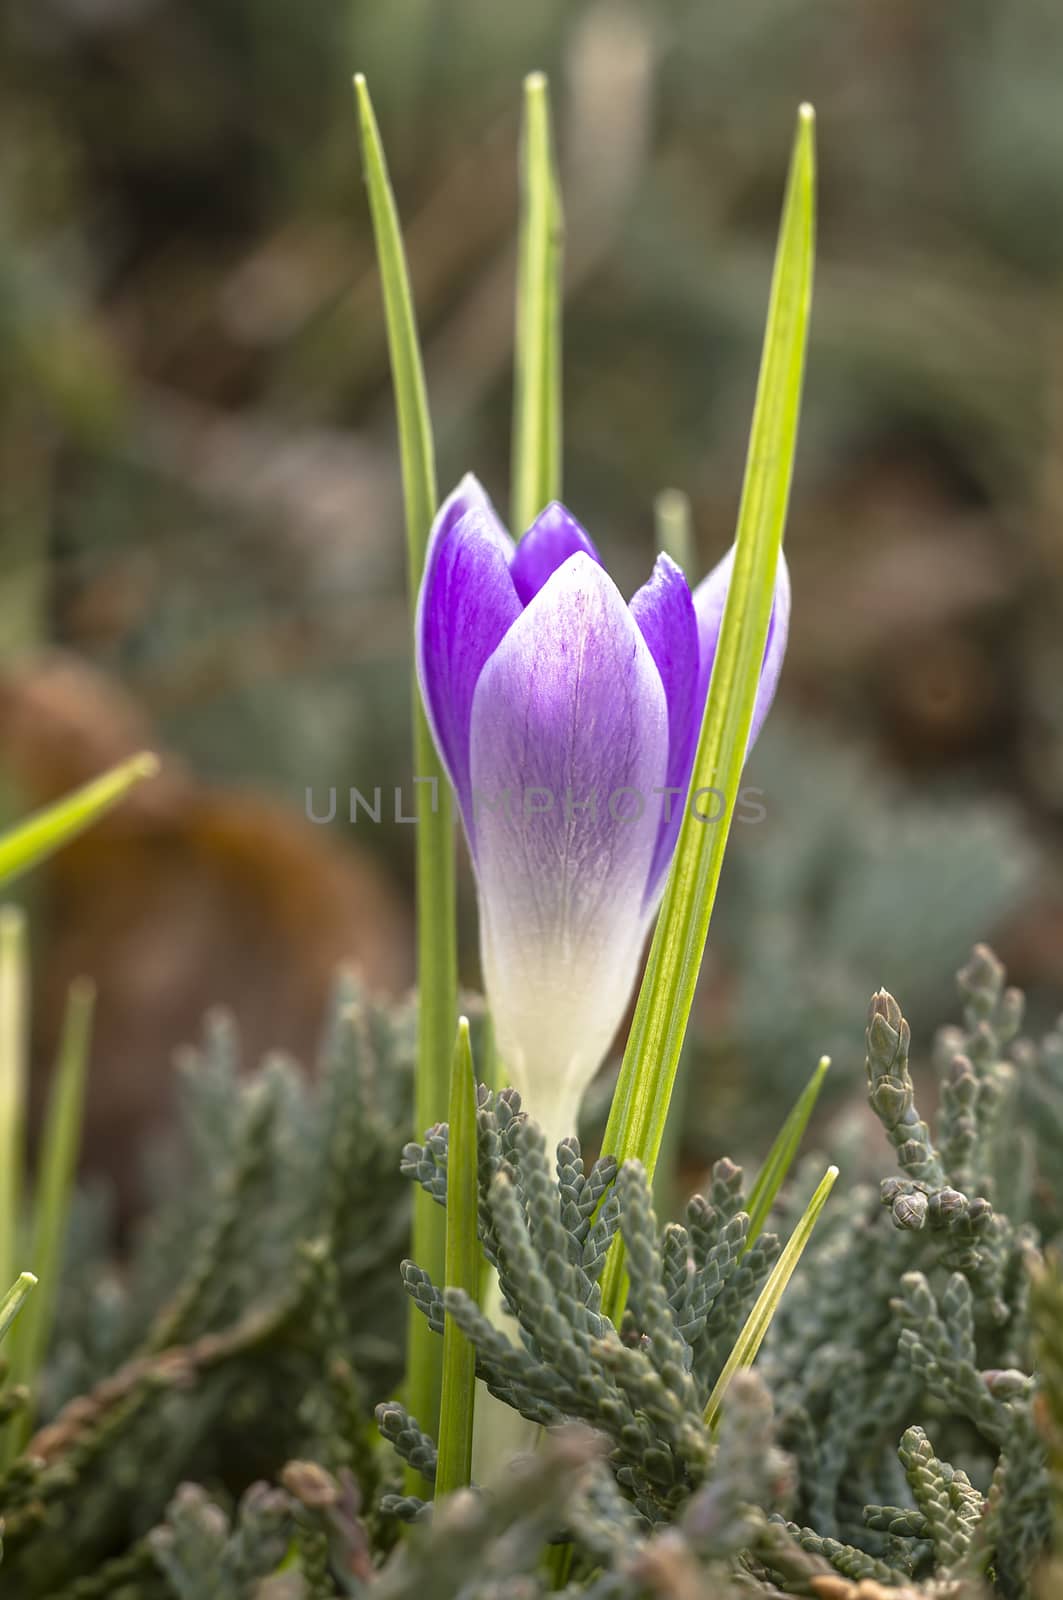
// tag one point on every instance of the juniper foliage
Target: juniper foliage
(546, 1229)
(257, 1317)
(209, 1433)
(899, 1363)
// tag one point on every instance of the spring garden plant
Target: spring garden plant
(568, 722)
(205, 1428)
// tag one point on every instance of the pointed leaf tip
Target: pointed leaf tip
(781, 1156)
(640, 1102)
(11, 1301)
(28, 842)
(746, 1347)
(366, 116)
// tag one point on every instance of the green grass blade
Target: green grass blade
(31, 841)
(58, 1161)
(436, 932)
(640, 1104)
(673, 528)
(14, 983)
(749, 1341)
(772, 1174)
(416, 446)
(12, 1302)
(537, 380)
(454, 1466)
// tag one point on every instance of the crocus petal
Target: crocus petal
(553, 537)
(466, 604)
(664, 610)
(568, 712)
(709, 599)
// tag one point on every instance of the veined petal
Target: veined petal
(710, 596)
(466, 604)
(664, 610)
(553, 537)
(569, 741)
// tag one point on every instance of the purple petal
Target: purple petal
(552, 538)
(568, 711)
(466, 604)
(709, 599)
(664, 610)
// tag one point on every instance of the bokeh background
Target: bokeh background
(200, 526)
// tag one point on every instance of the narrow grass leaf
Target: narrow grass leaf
(14, 983)
(674, 533)
(644, 1088)
(780, 1157)
(536, 465)
(12, 1302)
(436, 932)
(749, 1341)
(29, 842)
(51, 1208)
(454, 1465)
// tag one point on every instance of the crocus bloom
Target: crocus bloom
(564, 716)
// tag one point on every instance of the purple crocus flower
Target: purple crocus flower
(567, 720)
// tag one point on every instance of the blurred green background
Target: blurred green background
(201, 527)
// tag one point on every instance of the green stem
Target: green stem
(436, 936)
(454, 1465)
(13, 1044)
(51, 1204)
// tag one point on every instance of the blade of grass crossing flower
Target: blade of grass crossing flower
(436, 933)
(779, 1160)
(674, 537)
(749, 1341)
(12, 1302)
(640, 1104)
(454, 1465)
(536, 466)
(55, 1182)
(31, 841)
(13, 1043)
